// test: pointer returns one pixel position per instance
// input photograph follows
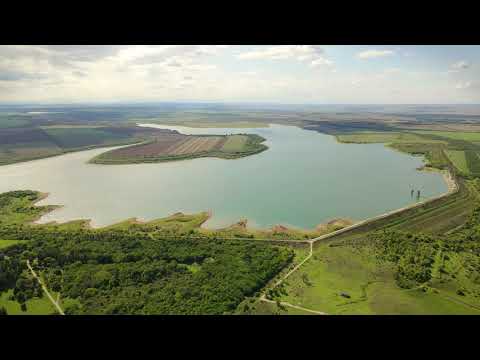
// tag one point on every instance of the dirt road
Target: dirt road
(45, 290)
(452, 188)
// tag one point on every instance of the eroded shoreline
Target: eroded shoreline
(325, 229)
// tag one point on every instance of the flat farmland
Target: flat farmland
(175, 146)
(457, 157)
(28, 143)
(235, 143)
(162, 145)
(197, 144)
(71, 138)
(455, 135)
(383, 137)
(25, 152)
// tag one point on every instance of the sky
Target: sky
(290, 74)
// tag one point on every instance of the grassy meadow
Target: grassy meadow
(6, 243)
(23, 143)
(383, 137)
(234, 143)
(34, 306)
(349, 279)
(457, 157)
(72, 138)
(455, 135)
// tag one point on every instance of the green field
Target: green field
(35, 306)
(17, 207)
(12, 121)
(7, 243)
(71, 138)
(26, 143)
(355, 272)
(10, 153)
(236, 146)
(455, 135)
(457, 157)
(383, 137)
(440, 148)
(234, 143)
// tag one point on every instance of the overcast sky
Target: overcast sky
(312, 74)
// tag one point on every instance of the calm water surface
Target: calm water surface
(303, 179)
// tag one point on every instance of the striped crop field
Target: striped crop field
(195, 145)
(175, 146)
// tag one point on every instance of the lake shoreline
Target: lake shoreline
(322, 227)
(300, 211)
(87, 223)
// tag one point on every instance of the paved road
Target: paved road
(45, 290)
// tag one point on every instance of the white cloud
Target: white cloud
(459, 66)
(300, 52)
(321, 62)
(392, 70)
(314, 54)
(248, 73)
(463, 85)
(202, 72)
(372, 54)
(356, 82)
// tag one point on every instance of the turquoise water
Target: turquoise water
(303, 179)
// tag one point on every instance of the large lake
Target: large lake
(303, 179)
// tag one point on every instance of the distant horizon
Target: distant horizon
(263, 74)
(209, 102)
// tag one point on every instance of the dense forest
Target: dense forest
(425, 260)
(121, 271)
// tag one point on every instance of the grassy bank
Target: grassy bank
(18, 207)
